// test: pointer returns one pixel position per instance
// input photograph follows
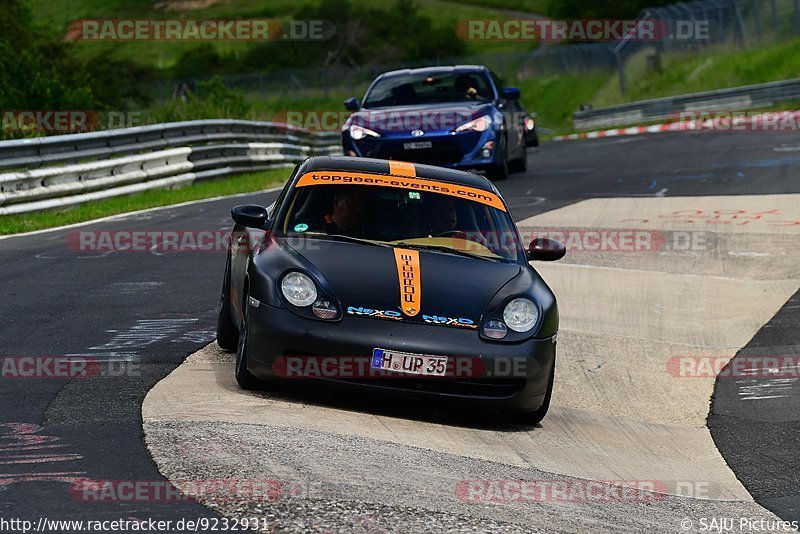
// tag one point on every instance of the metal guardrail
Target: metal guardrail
(59, 171)
(736, 98)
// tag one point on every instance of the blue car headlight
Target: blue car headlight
(481, 124)
(359, 132)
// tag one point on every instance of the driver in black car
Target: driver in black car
(441, 218)
(346, 215)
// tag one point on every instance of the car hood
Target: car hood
(428, 118)
(365, 279)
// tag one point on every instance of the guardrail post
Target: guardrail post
(774, 10)
(721, 19)
(757, 15)
(740, 22)
(620, 70)
(796, 4)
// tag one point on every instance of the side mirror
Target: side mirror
(545, 249)
(511, 93)
(250, 215)
(351, 104)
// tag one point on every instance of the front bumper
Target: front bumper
(511, 376)
(459, 151)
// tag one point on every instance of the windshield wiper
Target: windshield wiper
(442, 248)
(347, 238)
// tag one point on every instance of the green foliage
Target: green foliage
(537, 7)
(36, 71)
(212, 100)
(203, 58)
(364, 35)
(709, 69)
(555, 98)
(39, 71)
(600, 9)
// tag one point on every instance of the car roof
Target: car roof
(381, 166)
(436, 70)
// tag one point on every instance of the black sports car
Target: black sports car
(393, 276)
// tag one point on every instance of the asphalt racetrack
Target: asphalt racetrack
(644, 333)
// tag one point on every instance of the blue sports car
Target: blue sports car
(459, 117)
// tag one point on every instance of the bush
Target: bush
(363, 35)
(40, 71)
(200, 59)
(212, 100)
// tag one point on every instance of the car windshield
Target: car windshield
(414, 89)
(404, 217)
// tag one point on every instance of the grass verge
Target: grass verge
(243, 183)
(713, 68)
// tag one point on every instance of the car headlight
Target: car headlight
(481, 124)
(520, 315)
(530, 124)
(359, 132)
(299, 289)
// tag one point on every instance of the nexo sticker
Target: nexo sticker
(369, 312)
(449, 321)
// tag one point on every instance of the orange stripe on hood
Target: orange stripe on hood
(408, 274)
(402, 168)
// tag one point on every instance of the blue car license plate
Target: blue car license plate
(417, 145)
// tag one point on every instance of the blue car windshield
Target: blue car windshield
(416, 89)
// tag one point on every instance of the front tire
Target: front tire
(227, 333)
(520, 164)
(534, 139)
(500, 170)
(243, 376)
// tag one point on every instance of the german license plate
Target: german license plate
(417, 145)
(404, 362)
